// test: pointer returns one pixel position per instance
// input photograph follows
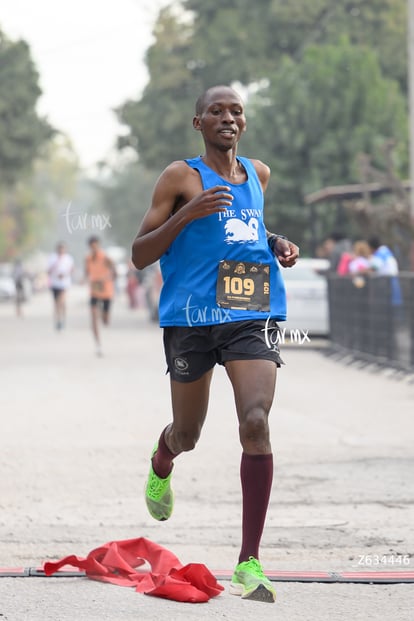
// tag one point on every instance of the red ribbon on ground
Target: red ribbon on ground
(117, 562)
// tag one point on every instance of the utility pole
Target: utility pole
(411, 109)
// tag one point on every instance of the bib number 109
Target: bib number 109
(242, 285)
(238, 286)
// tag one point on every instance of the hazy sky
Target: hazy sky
(90, 56)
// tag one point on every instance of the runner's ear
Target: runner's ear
(197, 123)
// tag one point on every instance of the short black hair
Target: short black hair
(201, 101)
(93, 239)
(374, 242)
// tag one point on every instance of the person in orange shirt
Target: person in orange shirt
(100, 273)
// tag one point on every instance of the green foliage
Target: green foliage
(246, 40)
(316, 116)
(380, 25)
(22, 132)
(230, 42)
(329, 80)
(28, 209)
(160, 123)
(126, 197)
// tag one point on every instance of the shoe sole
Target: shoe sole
(155, 517)
(260, 594)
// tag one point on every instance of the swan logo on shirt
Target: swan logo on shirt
(238, 231)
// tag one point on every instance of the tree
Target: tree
(246, 40)
(22, 132)
(203, 44)
(315, 117)
(323, 81)
(160, 123)
(387, 215)
(29, 208)
(126, 196)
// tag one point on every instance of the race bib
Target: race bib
(243, 286)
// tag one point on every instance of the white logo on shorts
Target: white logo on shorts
(181, 365)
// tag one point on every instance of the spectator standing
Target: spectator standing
(361, 261)
(384, 263)
(338, 249)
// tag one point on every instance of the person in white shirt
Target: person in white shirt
(60, 269)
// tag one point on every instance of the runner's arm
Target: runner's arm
(161, 224)
(159, 227)
(286, 251)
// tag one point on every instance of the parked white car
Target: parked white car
(7, 286)
(307, 297)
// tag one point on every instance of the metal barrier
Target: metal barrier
(372, 317)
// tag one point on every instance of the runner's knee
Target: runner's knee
(184, 440)
(254, 427)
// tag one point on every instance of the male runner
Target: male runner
(101, 273)
(221, 297)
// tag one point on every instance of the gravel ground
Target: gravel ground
(75, 438)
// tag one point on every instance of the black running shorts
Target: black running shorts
(57, 292)
(191, 352)
(105, 303)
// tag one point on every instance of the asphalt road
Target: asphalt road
(76, 434)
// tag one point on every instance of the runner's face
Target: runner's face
(222, 120)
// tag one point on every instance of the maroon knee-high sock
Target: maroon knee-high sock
(256, 473)
(162, 460)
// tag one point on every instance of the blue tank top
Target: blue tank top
(190, 266)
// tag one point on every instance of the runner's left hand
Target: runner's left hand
(286, 251)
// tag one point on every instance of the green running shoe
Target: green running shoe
(158, 494)
(250, 582)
